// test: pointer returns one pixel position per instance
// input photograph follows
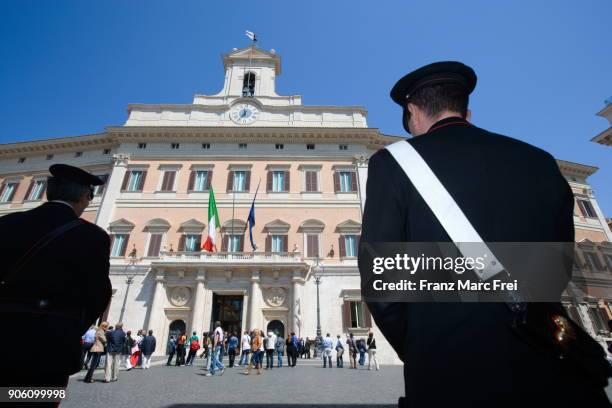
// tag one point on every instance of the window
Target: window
(7, 191)
(36, 190)
(608, 259)
(348, 246)
(239, 181)
(190, 243)
(174, 145)
(155, 241)
(199, 180)
(587, 208)
(233, 243)
(99, 190)
(78, 154)
(343, 147)
(248, 84)
(310, 147)
(134, 180)
(106, 151)
(599, 319)
(345, 182)
(49, 157)
(357, 319)
(312, 182)
(119, 244)
(278, 181)
(205, 145)
(21, 160)
(312, 245)
(168, 180)
(142, 145)
(278, 243)
(242, 145)
(592, 261)
(279, 146)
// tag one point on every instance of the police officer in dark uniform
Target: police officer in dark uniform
(54, 282)
(466, 354)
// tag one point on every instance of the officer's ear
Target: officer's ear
(468, 116)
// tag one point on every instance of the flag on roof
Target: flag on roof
(251, 35)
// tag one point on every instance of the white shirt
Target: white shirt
(218, 336)
(246, 342)
(271, 345)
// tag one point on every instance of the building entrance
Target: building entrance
(228, 310)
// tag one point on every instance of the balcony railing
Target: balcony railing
(231, 257)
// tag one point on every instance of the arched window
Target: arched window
(248, 85)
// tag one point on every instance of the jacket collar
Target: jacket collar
(63, 206)
(453, 120)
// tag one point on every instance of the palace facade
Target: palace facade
(308, 165)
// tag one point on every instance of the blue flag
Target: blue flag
(251, 221)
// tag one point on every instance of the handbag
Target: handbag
(544, 326)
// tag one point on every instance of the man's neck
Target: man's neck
(433, 120)
(65, 203)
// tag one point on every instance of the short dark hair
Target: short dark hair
(150, 332)
(436, 99)
(65, 190)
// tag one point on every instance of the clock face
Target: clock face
(244, 114)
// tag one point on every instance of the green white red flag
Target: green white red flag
(210, 244)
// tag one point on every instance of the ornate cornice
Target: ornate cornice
(57, 145)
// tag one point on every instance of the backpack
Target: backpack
(194, 345)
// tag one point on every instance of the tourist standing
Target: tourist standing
(372, 351)
(245, 343)
(180, 349)
(171, 349)
(126, 351)
(96, 350)
(352, 346)
(116, 339)
(88, 340)
(270, 347)
(218, 337)
(361, 347)
(232, 346)
(148, 348)
(339, 353)
(328, 345)
(256, 344)
(280, 349)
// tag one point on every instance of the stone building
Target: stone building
(308, 165)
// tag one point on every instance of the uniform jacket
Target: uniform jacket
(511, 192)
(70, 274)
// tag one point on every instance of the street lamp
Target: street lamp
(316, 270)
(130, 272)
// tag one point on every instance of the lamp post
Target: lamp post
(316, 270)
(130, 272)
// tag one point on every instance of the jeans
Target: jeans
(85, 351)
(279, 356)
(269, 358)
(339, 359)
(231, 353)
(327, 353)
(372, 356)
(361, 357)
(172, 353)
(244, 357)
(191, 357)
(216, 363)
(95, 360)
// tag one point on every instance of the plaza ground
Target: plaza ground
(307, 384)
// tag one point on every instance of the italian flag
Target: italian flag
(210, 244)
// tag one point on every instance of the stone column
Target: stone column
(112, 190)
(157, 313)
(295, 309)
(254, 309)
(197, 317)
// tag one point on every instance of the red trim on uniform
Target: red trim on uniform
(448, 124)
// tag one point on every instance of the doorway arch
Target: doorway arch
(176, 328)
(277, 327)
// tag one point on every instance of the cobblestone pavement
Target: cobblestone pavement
(308, 384)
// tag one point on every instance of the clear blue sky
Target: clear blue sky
(544, 67)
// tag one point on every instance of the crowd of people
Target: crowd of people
(118, 348)
(246, 350)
